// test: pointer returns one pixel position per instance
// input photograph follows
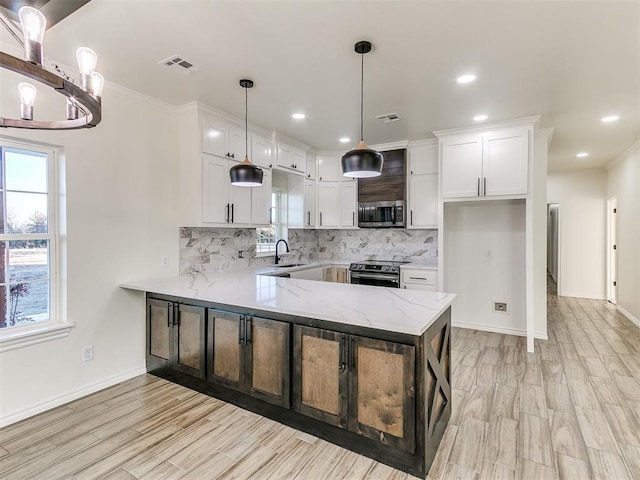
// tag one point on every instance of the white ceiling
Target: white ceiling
(571, 62)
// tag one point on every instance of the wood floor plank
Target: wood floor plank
(479, 401)
(444, 450)
(632, 456)
(607, 391)
(533, 401)
(350, 466)
(495, 471)
(20, 429)
(583, 394)
(506, 402)
(535, 439)
(595, 367)
(596, 431)
(566, 436)
(531, 470)
(558, 397)
(570, 468)
(624, 425)
(608, 466)
(629, 387)
(458, 472)
(468, 449)
(501, 447)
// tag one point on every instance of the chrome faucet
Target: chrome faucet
(285, 244)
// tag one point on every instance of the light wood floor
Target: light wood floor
(571, 410)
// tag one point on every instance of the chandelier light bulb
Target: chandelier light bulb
(27, 97)
(33, 24)
(96, 84)
(87, 60)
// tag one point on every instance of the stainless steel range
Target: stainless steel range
(376, 272)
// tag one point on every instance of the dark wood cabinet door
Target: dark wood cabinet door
(268, 360)
(319, 374)
(159, 332)
(225, 349)
(382, 391)
(189, 341)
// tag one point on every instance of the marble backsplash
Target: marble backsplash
(214, 249)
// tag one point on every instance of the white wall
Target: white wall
(623, 182)
(484, 257)
(121, 218)
(582, 198)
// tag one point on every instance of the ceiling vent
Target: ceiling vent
(180, 65)
(389, 117)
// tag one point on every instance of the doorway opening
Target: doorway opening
(553, 242)
(612, 249)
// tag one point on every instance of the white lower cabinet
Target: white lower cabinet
(316, 273)
(418, 279)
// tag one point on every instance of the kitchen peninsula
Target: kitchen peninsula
(367, 368)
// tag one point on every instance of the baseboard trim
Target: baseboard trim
(69, 397)
(628, 315)
(581, 295)
(490, 328)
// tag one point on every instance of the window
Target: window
(266, 237)
(27, 235)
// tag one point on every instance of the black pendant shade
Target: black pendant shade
(362, 162)
(246, 174)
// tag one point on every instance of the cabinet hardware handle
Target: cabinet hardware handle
(411, 217)
(418, 278)
(247, 330)
(309, 218)
(227, 217)
(176, 315)
(308, 175)
(320, 178)
(352, 354)
(320, 218)
(353, 218)
(169, 314)
(342, 364)
(241, 330)
(270, 216)
(411, 172)
(485, 186)
(270, 165)
(232, 212)
(478, 186)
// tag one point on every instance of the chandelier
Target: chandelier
(84, 107)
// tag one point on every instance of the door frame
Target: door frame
(612, 252)
(559, 242)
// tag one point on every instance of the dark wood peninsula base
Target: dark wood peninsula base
(385, 395)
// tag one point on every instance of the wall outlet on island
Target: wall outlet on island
(87, 353)
(342, 247)
(240, 253)
(500, 307)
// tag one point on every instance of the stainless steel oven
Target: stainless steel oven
(382, 214)
(377, 273)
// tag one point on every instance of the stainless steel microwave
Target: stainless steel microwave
(382, 214)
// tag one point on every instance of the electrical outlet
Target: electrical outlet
(87, 353)
(164, 261)
(500, 307)
(342, 248)
(240, 253)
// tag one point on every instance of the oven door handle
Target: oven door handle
(373, 276)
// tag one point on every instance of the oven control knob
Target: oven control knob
(360, 267)
(394, 269)
(386, 269)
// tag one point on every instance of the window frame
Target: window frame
(280, 225)
(12, 337)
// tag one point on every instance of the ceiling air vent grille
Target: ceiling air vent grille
(180, 65)
(389, 117)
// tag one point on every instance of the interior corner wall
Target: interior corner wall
(623, 182)
(538, 197)
(485, 262)
(582, 228)
(121, 219)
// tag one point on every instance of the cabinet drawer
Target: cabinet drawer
(424, 277)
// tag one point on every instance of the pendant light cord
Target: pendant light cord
(246, 122)
(362, 98)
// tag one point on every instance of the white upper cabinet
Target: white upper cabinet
(423, 159)
(311, 166)
(310, 193)
(261, 151)
(423, 201)
(490, 163)
(237, 144)
(261, 200)
(215, 135)
(349, 203)
(329, 169)
(215, 187)
(328, 205)
(291, 158)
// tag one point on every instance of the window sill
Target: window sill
(19, 337)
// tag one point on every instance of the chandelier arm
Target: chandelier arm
(92, 104)
(9, 25)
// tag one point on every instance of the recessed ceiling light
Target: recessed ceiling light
(345, 139)
(582, 154)
(610, 118)
(480, 118)
(299, 116)
(467, 78)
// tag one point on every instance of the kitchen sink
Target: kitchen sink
(289, 265)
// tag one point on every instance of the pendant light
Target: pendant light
(246, 174)
(362, 162)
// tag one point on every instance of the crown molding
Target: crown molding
(532, 121)
(383, 147)
(423, 143)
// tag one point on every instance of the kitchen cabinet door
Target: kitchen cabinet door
(423, 201)
(329, 169)
(240, 200)
(215, 190)
(349, 204)
(189, 339)
(225, 349)
(285, 156)
(462, 166)
(261, 200)
(267, 349)
(320, 375)
(423, 159)
(159, 332)
(311, 166)
(506, 162)
(328, 205)
(310, 190)
(382, 391)
(215, 133)
(261, 149)
(299, 160)
(237, 144)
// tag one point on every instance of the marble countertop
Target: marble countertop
(391, 309)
